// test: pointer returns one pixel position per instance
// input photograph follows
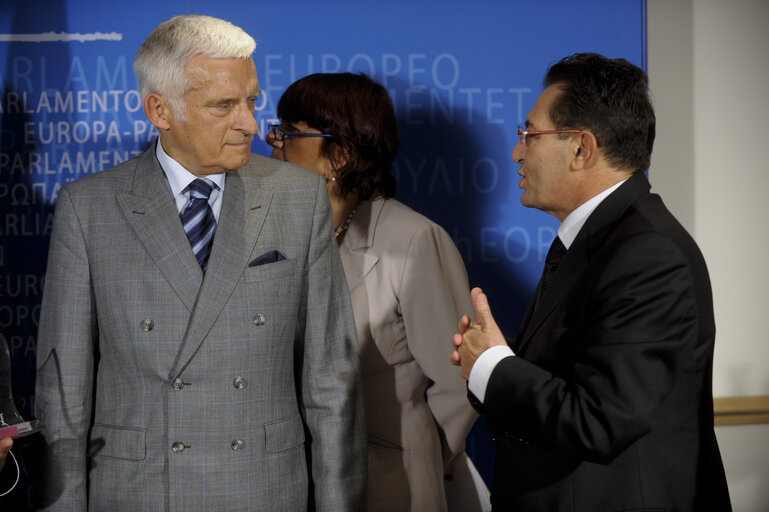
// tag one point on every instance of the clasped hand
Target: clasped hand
(5, 447)
(473, 338)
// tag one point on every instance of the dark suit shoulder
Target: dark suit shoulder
(647, 243)
(650, 215)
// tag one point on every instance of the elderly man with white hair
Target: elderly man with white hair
(197, 349)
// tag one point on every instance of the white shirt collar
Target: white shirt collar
(571, 225)
(178, 177)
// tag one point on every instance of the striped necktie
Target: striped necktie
(198, 220)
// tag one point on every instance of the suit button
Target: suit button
(147, 325)
(237, 445)
(239, 382)
(259, 320)
(177, 447)
(177, 384)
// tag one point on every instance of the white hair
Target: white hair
(162, 58)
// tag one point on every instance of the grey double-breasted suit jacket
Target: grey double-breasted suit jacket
(162, 388)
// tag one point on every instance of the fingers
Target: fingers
(464, 324)
(5, 445)
(455, 359)
(482, 310)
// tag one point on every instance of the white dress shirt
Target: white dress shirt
(180, 178)
(567, 232)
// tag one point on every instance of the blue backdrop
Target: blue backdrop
(462, 77)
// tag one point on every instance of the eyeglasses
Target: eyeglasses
(522, 134)
(278, 134)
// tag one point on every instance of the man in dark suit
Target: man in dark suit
(603, 401)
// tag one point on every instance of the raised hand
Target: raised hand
(472, 339)
(5, 447)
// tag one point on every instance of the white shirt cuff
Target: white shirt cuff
(484, 365)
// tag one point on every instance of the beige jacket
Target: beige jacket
(408, 288)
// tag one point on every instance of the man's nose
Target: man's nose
(518, 152)
(245, 120)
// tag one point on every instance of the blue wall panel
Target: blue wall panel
(462, 76)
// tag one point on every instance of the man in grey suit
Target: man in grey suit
(197, 348)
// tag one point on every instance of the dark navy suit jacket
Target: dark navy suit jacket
(608, 405)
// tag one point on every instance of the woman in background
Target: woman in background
(407, 282)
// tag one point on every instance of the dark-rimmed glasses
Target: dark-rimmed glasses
(522, 134)
(278, 134)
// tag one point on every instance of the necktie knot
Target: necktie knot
(554, 255)
(201, 188)
(556, 252)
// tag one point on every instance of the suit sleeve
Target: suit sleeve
(626, 349)
(434, 294)
(66, 345)
(331, 391)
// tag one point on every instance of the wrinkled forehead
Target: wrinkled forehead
(202, 70)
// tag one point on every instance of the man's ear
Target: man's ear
(584, 151)
(158, 111)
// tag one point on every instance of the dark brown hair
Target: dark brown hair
(358, 114)
(609, 97)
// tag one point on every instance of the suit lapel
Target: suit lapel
(590, 238)
(539, 310)
(150, 210)
(517, 344)
(240, 221)
(357, 260)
